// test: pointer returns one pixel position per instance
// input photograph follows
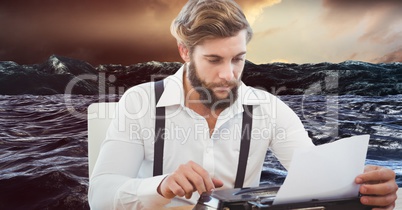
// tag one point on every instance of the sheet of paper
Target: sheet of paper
(325, 172)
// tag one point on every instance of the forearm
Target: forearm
(118, 192)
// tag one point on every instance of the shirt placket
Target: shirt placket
(209, 160)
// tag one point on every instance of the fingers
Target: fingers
(217, 182)
(375, 174)
(200, 178)
(383, 194)
(386, 202)
(185, 187)
(378, 187)
(188, 178)
(171, 187)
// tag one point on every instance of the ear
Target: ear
(184, 52)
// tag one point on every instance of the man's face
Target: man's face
(215, 70)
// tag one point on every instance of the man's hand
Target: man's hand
(378, 187)
(187, 179)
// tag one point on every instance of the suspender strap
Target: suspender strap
(244, 145)
(159, 130)
(160, 133)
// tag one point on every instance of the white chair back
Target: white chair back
(99, 118)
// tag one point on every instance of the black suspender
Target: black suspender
(244, 145)
(160, 131)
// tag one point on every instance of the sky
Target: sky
(128, 32)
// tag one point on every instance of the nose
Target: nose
(227, 72)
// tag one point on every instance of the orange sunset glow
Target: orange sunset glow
(127, 32)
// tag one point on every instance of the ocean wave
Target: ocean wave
(62, 75)
(43, 158)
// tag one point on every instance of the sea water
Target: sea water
(43, 142)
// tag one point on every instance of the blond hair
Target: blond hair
(205, 19)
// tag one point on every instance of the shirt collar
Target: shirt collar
(174, 90)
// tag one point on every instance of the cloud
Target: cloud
(381, 20)
(353, 56)
(97, 31)
(395, 56)
(254, 8)
(268, 32)
(372, 27)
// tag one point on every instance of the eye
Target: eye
(214, 61)
(238, 59)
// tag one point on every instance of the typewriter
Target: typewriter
(263, 197)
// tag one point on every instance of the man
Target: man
(204, 103)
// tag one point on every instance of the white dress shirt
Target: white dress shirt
(122, 176)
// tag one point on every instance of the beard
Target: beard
(207, 96)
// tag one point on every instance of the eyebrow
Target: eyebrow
(218, 56)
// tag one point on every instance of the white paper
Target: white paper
(325, 172)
